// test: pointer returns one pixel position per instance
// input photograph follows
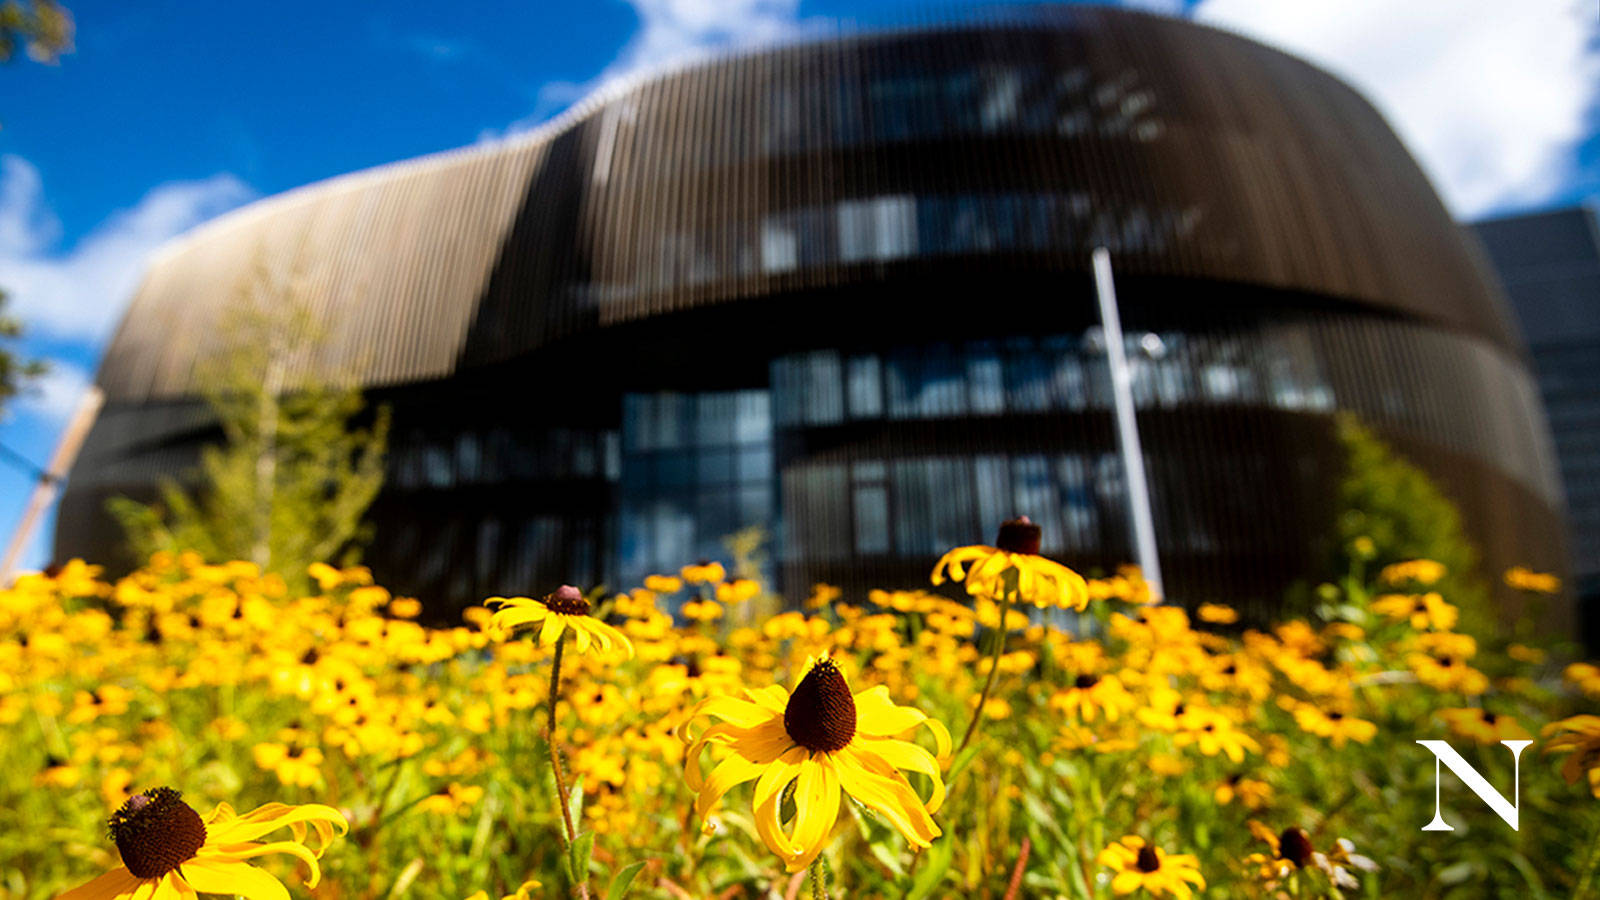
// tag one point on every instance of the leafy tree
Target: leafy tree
(294, 475)
(41, 28)
(15, 372)
(1392, 511)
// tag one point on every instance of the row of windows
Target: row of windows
(419, 460)
(1030, 375)
(896, 227)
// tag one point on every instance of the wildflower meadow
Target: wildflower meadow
(1009, 729)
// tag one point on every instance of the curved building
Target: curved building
(841, 290)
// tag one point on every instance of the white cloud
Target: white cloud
(55, 396)
(79, 294)
(673, 32)
(1492, 97)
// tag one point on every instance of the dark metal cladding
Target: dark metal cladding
(841, 290)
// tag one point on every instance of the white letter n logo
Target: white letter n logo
(1444, 753)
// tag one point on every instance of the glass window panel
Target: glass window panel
(824, 395)
(780, 246)
(714, 423)
(716, 467)
(985, 381)
(673, 470)
(865, 387)
(872, 520)
(755, 505)
(752, 417)
(755, 463)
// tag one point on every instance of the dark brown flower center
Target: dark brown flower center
(1294, 845)
(1019, 535)
(1086, 681)
(1488, 718)
(569, 601)
(1335, 715)
(1148, 860)
(821, 715)
(156, 831)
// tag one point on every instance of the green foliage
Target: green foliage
(15, 372)
(1387, 500)
(42, 28)
(294, 475)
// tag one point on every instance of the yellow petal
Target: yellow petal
(551, 632)
(272, 816)
(906, 755)
(768, 795)
(222, 876)
(252, 850)
(118, 882)
(816, 800)
(890, 796)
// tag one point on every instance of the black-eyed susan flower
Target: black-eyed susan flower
(1090, 696)
(1292, 850)
(1524, 579)
(1423, 572)
(1039, 581)
(1579, 738)
(169, 851)
(1483, 726)
(566, 609)
(825, 741)
(703, 572)
(1217, 614)
(1336, 725)
(1140, 865)
(1251, 793)
(1422, 611)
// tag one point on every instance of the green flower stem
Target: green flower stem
(571, 834)
(819, 879)
(1586, 882)
(1009, 579)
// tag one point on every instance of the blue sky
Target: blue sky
(172, 112)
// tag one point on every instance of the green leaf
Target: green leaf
(623, 880)
(963, 759)
(580, 851)
(935, 863)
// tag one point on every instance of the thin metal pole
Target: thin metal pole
(44, 492)
(1144, 529)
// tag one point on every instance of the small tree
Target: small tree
(1388, 501)
(294, 475)
(15, 371)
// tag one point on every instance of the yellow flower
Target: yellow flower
(1578, 736)
(1483, 726)
(1040, 581)
(564, 610)
(738, 590)
(1091, 695)
(703, 572)
(1250, 793)
(1142, 865)
(1217, 614)
(663, 584)
(293, 764)
(701, 610)
(1423, 611)
(1338, 727)
(825, 741)
(1524, 579)
(170, 852)
(1421, 571)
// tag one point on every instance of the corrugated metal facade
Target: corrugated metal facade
(706, 230)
